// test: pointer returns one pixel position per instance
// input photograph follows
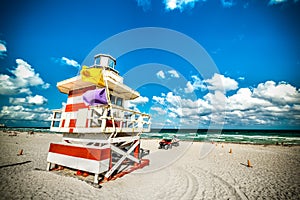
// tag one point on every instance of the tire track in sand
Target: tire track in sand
(180, 184)
(192, 186)
(213, 186)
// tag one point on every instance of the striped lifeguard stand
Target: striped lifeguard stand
(99, 132)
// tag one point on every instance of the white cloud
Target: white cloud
(183, 4)
(185, 108)
(244, 100)
(66, 61)
(160, 74)
(145, 4)
(241, 78)
(24, 77)
(221, 83)
(36, 100)
(160, 100)
(29, 100)
(138, 101)
(179, 4)
(70, 62)
(173, 100)
(274, 2)
(196, 85)
(173, 73)
(159, 110)
(3, 49)
(269, 104)
(282, 93)
(167, 74)
(22, 113)
(172, 115)
(227, 3)
(17, 101)
(189, 87)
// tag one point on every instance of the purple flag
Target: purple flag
(95, 97)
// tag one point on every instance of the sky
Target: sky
(196, 63)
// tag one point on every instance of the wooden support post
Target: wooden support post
(48, 166)
(96, 178)
(137, 152)
(249, 164)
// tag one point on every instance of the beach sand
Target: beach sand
(190, 171)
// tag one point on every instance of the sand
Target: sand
(190, 171)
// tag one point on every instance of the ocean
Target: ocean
(280, 137)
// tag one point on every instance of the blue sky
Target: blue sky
(255, 46)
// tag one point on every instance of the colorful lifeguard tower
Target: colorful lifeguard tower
(99, 132)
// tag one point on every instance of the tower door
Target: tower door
(82, 117)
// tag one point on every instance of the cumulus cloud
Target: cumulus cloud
(160, 74)
(274, 2)
(29, 100)
(269, 104)
(173, 73)
(282, 93)
(221, 83)
(23, 77)
(159, 110)
(19, 112)
(189, 87)
(159, 100)
(3, 49)
(178, 106)
(168, 74)
(179, 4)
(227, 3)
(145, 4)
(183, 4)
(66, 61)
(196, 84)
(138, 101)
(217, 83)
(70, 62)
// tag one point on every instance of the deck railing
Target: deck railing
(106, 119)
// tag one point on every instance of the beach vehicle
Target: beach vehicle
(99, 132)
(168, 142)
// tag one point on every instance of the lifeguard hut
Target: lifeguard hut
(100, 133)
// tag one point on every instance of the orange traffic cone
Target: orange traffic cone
(230, 150)
(85, 174)
(249, 164)
(78, 173)
(20, 152)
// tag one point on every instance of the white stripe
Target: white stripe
(69, 115)
(92, 166)
(74, 100)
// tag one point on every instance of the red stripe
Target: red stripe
(71, 130)
(63, 123)
(72, 123)
(79, 92)
(80, 152)
(75, 107)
